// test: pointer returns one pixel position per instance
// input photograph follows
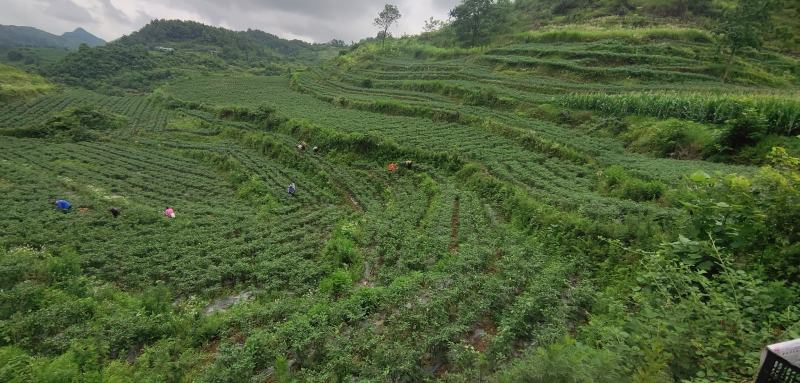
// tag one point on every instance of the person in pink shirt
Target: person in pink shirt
(169, 212)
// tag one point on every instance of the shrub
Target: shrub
(617, 182)
(680, 139)
(640, 190)
(671, 138)
(14, 55)
(340, 251)
(59, 370)
(678, 304)
(157, 299)
(82, 123)
(263, 113)
(565, 362)
(746, 129)
(483, 97)
(15, 365)
(758, 153)
(255, 191)
(427, 184)
(753, 217)
(337, 283)
(666, 8)
(562, 7)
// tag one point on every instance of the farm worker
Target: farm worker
(392, 167)
(291, 189)
(408, 164)
(315, 149)
(169, 212)
(115, 211)
(62, 205)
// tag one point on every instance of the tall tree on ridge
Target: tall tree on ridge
(386, 19)
(474, 20)
(744, 26)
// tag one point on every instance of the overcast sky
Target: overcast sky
(310, 20)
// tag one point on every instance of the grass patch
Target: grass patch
(635, 35)
(16, 84)
(671, 138)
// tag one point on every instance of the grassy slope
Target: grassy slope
(533, 70)
(15, 84)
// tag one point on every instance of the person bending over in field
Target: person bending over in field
(115, 211)
(169, 212)
(62, 205)
(291, 189)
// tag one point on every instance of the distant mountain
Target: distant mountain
(81, 36)
(13, 36)
(166, 48)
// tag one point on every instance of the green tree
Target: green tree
(744, 25)
(386, 19)
(14, 56)
(475, 20)
(433, 25)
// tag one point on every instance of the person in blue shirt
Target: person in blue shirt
(63, 205)
(292, 189)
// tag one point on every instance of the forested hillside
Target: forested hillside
(533, 191)
(166, 49)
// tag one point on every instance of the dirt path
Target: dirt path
(354, 202)
(455, 221)
(349, 196)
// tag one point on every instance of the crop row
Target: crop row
(199, 249)
(480, 70)
(549, 135)
(141, 112)
(782, 114)
(606, 150)
(565, 184)
(471, 142)
(607, 73)
(598, 54)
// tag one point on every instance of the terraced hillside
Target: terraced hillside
(577, 205)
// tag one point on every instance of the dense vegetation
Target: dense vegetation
(165, 49)
(591, 195)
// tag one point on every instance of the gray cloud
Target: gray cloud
(312, 20)
(68, 11)
(319, 20)
(113, 13)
